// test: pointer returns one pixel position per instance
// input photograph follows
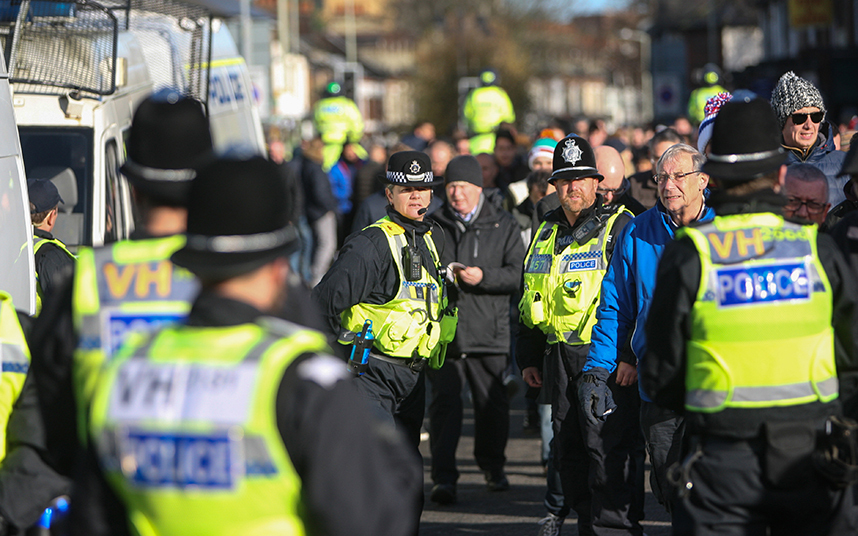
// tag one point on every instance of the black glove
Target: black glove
(595, 396)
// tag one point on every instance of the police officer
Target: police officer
(127, 284)
(339, 122)
(52, 257)
(563, 273)
(485, 108)
(236, 422)
(27, 483)
(750, 327)
(387, 278)
(711, 86)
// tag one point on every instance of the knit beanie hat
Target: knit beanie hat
(542, 147)
(704, 131)
(464, 168)
(794, 93)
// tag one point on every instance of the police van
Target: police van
(16, 238)
(79, 70)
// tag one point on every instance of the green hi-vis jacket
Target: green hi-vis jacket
(15, 355)
(763, 295)
(127, 286)
(416, 320)
(561, 292)
(184, 423)
(38, 242)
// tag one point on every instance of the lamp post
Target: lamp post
(646, 76)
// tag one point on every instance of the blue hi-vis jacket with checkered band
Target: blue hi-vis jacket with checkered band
(561, 292)
(15, 356)
(763, 295)
(414, 322)
(127, 286)
(38, 242)
(184, 423)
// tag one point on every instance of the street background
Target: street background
(514, 512)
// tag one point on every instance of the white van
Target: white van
(79, 70)
(17, 272)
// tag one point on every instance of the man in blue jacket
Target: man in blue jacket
(626, 292)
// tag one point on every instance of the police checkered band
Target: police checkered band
(750, 157)
(586, 169)
(155, 174)
(583, 255)
(399, 177)
(242, 243)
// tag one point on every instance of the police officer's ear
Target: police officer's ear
(704, 181)
(781, 179)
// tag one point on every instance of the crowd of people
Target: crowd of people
(678, 294)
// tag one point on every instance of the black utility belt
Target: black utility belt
(414, 363)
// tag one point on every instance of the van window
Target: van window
(48, 152)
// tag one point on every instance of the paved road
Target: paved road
(514, 512)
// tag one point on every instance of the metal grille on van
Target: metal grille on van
(73, 44)
(60, 44)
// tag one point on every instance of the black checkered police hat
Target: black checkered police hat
(411, 168)
(574, 159)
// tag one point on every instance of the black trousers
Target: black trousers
(601, 467)
(398, 395)
(732, 496)
(484, 374)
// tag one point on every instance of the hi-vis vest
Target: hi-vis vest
(761, 324)
(184, 423)
(561, 292)
(15, 357)
(38, 242)
(127, 286)
(411, 323)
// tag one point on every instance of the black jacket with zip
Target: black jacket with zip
(492, 242)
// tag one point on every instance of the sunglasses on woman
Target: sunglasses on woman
(799, 119)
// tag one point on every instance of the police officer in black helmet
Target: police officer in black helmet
(387, 282)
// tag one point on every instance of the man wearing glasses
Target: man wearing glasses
(626, 292)
(800, 112)
(807, 194)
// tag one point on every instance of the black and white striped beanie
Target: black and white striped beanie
(794, 93)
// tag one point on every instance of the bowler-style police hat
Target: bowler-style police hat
(169, 137)
(574, 159)
(238, 219)
(411, 168)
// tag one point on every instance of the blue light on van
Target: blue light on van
(9, 9)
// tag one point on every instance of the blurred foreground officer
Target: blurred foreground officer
(751, 325)
(52, 257)
(27, 483)
(237, 422)
(483, 252)
(129, 284)
(563, 272)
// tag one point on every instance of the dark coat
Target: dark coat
(492, 242)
